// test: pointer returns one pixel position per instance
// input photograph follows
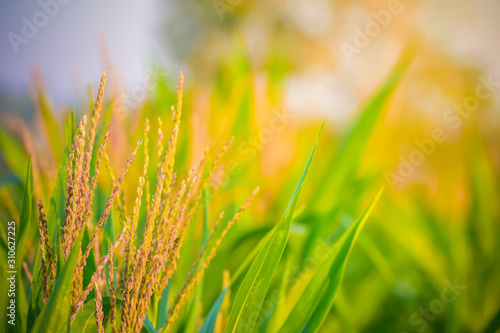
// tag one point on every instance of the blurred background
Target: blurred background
(409, 90)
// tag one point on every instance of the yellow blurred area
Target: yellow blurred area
(410, 95)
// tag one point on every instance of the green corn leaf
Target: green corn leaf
(209, 323)
(347, 158)
(36, 301)
(252, 291)
(13, 153)
(90, 264)
(85, 321)
(276, 315)
(250, 257)
(196, 303)
(243, 266)
(108, 240)
(59, 251)
(161, 317)
(148, 326)
(99, 137)
(55, 316)
(57, 204)
(70, 128)
(22, 302)
(55, 217)
(316, 300)
(243, 119)
(494, 324)
(3, 238)
(22, 231)
(51, 125)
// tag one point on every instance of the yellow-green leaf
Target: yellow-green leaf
(315, 302)
(252, 291)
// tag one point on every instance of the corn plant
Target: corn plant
(147, 249)
(126, 286)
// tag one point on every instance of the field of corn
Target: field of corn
(210, 207)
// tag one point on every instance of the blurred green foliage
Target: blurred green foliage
(425, 261)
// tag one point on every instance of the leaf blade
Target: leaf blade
(253, 290)
(55, 316)
(209, 323)
(313, 305)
